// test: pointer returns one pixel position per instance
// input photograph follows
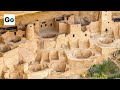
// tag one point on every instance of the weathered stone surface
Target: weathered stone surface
(11, 58)
(49, 44)
(26, 55)
(58, 66)
(1, 66)
(38, 75)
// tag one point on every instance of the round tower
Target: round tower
(30, 32)
(37, 27)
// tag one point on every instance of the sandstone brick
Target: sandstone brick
(26, 55)
(38, 75)
(11, 58)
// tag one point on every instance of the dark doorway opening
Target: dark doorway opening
(73, 35)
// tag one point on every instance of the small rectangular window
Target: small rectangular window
(73, 35)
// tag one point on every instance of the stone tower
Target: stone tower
(106, 22)
(37, 27)
(30, 32)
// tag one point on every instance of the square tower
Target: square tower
(106, 22)
(74, 30)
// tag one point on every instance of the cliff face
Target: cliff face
(42, 16)
(25, 17)
(92, 15)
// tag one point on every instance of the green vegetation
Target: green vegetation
(114, 76)
(118, 52)
(118, 59)
(117, 55)
(106, 70)
(99, 76)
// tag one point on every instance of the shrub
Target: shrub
(100, 76)
(114, 76)
(103, 70)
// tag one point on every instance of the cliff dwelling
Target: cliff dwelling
(57, 44)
